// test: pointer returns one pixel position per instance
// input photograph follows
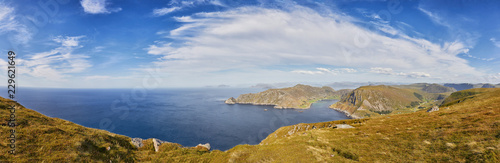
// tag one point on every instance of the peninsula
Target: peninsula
(297, 97)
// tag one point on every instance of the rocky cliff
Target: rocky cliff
(297, 97)
(367, 100)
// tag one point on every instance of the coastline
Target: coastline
(347, 113)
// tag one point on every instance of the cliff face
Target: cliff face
(297, 97)
(375, 100)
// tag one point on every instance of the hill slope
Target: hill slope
(429, 88)
(368, 101)
(39, 137)
(297, 97)
(468, 131)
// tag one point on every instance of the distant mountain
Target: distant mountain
(297, 97)
(264, 86)
(464, 86)
(354, 85)
(488, 86)
(461, 86)
(368, 101)
(429, 88)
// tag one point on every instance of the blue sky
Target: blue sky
(197, 43)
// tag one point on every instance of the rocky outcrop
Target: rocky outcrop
(434, 108)
(157, 143)
(347, 113)
(297, 97)
(230, 101)
(343, 126)
(206, 145)
(137, 142)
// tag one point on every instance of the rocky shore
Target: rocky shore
(347, 113)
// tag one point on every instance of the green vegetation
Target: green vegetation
(419, 96)
(370, 101)
(460, 96)
(465, 131)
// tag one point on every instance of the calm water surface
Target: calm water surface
(184, 116)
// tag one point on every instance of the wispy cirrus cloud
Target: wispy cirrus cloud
(254, 37)
(435, 18)
(97, 7)
(177, 5)
(389, 71)
(165, 11)
(58, 63)
(10, 25)
(326, 71)
(495, 42)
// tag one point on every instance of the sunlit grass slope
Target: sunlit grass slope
(39, 137)
(468, 131)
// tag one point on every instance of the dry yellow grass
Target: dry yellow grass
(469, 131)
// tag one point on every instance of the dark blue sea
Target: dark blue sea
(184, 116)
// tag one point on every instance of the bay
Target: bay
(184, 116)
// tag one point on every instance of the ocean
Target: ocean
(185, 116)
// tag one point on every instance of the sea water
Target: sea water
(185, 116)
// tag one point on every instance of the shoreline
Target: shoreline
(347, 113)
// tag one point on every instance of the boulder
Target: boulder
(434, 108)
(207, 146)
(157, 143)
(343, 126)
(230, 101)
(137, 142)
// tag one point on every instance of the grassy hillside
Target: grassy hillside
(297, 97)
(39, 137)
(369, 101)
(426, 87)
(467, 131)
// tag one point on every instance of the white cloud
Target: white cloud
(308, 72)
(68, 41)
(180, 4)
(97, 7)
(347, 70)
(416, 75)
(9, 24)
(58, 63)
(165, 11)
(389, 71)
(105, 77)
(435, 18)
(495, 42)
(321, 70)
(380, 70)
(190, 3)
(247, 38)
